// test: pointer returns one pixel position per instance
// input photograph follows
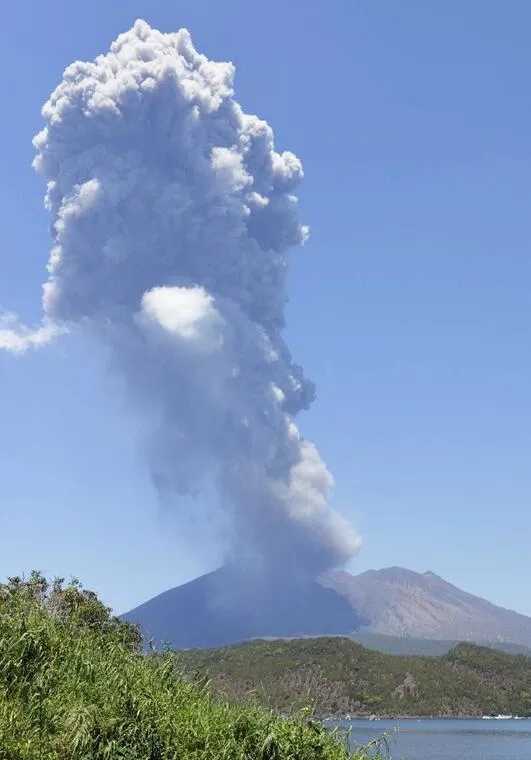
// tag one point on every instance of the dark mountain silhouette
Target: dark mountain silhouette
(226, 606)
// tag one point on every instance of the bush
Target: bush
(75, 685)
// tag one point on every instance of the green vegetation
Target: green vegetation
(74, 685)
(341, 677)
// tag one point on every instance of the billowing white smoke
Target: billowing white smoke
(172, 218)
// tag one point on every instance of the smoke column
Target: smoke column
(172, 218)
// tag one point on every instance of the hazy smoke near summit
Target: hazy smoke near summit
(172, 217)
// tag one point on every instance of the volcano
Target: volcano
(393, 604)
(225, 607)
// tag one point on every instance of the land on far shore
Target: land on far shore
(339, 677)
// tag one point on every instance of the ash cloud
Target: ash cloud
(172, 219)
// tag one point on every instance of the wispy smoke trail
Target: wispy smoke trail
(17, 338)
(172, 218)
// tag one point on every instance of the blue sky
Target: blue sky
(409, 305)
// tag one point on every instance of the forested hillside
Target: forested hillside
(75, 685)
(341, 677)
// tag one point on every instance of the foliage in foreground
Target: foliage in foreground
(74, 685)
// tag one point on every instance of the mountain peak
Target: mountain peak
(224, 607)
(212, 610)
(405, 603)
(393, 574)
(430, 574)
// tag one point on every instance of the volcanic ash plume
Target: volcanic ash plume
(172, 218)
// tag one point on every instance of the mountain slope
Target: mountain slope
(337, 677)
(400, 602)
(223, 607)
(384, 609)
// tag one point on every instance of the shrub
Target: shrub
(75, 685)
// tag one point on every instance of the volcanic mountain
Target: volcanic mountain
(403, 603)
(222, 608)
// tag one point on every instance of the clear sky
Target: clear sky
(409, 306)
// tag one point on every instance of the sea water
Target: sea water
(446, 739)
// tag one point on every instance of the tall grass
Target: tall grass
(74, 685)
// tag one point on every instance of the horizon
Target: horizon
(408, 304)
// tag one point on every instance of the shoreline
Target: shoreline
(375, 719)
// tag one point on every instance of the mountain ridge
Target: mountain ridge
(404, 603)
(226, 607)
(223, 607)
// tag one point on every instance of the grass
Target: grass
(74, 685)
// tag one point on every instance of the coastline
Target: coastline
(403, 716)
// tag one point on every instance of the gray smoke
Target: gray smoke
(172, 219)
